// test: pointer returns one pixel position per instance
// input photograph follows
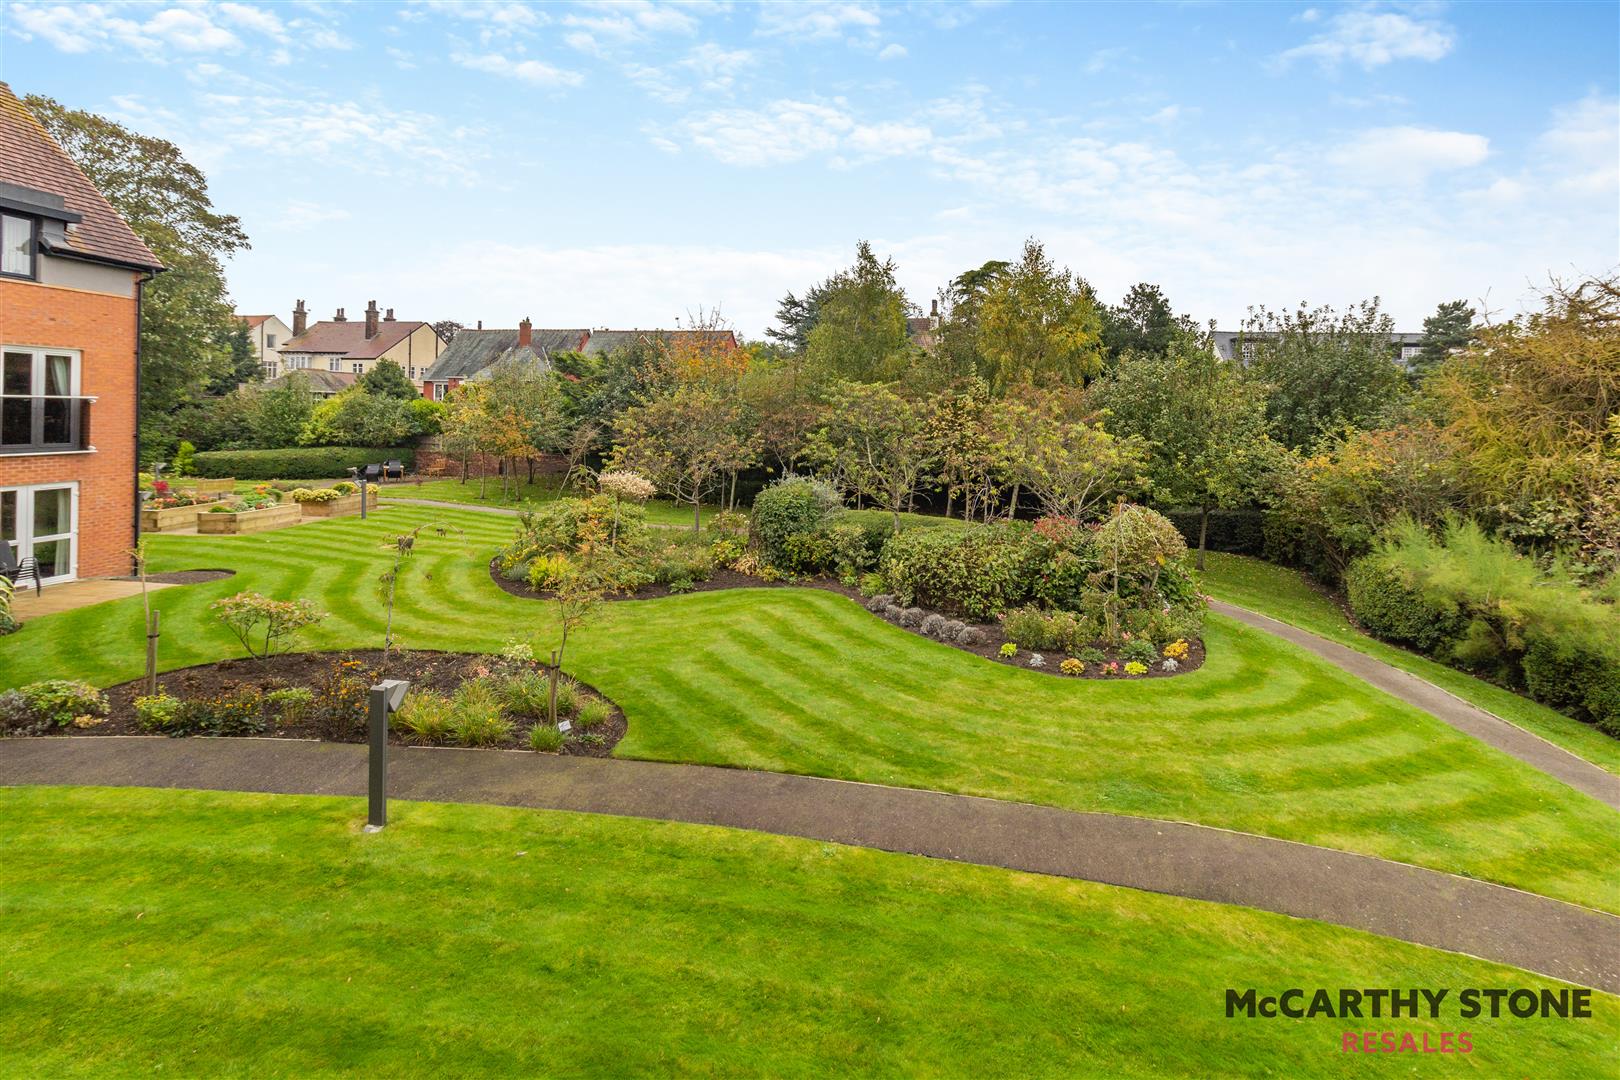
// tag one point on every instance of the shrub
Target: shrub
(424, 718)
(594, 712)
(346, 487)
(1037, 661)
(1060, 631)
(872, 584)
(1389, 606)
(1140, 650)
(526, 693)
(1137, 549)
(1135, 667)
(238, 712)
(978, 572)
(568, 696)
(315, 495)
(730, 524)
(931, 624)
(1009, 649)
(545, 739)
(338, 710)
(546, 572)
(1177, 650)
(8, 622)
(291, 704)
(793, 506)
(1573, 679)
(247, 612)
(479, 725)
(728, 551)
(682, 563)
(848, 554)
(624, 484)
(298, 463)
(58, 702)
(1170, 664)
(17, 715)
(1071, 666)
(157, 713)
(1091, 655)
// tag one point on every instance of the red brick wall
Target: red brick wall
(103, 329)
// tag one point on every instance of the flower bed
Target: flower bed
(341, 506)
(168, 518)
(455, 699)
(220, 520)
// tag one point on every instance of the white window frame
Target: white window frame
(334, 364)
(359, 369)
(25, 525)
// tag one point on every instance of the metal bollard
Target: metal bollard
(385, 697)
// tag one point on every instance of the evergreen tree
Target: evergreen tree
(1450, 328)
(387, 379)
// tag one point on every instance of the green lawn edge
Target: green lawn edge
(1284, 594)
(210, 934)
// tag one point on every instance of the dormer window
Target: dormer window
(17, 235)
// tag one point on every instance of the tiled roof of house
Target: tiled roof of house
(606, 341)
(348, 338)
(252, 321)
(471, 351)
(30, 158)
(320, 382)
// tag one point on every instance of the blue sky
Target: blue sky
(625, 163)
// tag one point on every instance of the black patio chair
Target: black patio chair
(14, 571)
(394, 470)
(372, 473)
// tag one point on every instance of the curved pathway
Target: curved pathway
(1394, 899)
(1467, 718)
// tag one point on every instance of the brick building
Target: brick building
(71, 273)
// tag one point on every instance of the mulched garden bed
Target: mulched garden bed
(424, 669)
(990, 634)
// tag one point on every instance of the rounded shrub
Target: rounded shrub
(1390, 607)
(793, 506)
(978, 572)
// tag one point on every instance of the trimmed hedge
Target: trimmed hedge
(297, 463)
(1388, 606)
(1241, 532)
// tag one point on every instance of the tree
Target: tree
(186, 318)
(683, 440)
(1143, 322)
(796, 316)
(242, 364)
(873, 441)
(860, 330)
(1325, 371)
(526, 405)
(1073, 467)
(356, 418)
(447, 329)
(1039, 325)
(282, 411)
(960, 303)
(387, 379)
(1446, 331)
(577, 595)
(1203, 419)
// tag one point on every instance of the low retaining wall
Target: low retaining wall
(251, 521)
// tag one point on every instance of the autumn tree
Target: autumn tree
(684, 440)
(1039, 324)
(873, 440)
(1072, 467)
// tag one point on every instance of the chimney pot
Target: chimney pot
(340, 317)
(390, 316)
(480, 324)
(371, 320)
(300, 319)
(525, 332)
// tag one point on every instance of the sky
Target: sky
(630, 164)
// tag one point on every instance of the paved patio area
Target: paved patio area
(73, 594)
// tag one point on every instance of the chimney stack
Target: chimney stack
(371, 320)
(933, 314)
(340, 317)
(300, 319)
(390, 316)
(525, 332)
(480, 324)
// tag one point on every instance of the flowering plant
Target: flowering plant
(1009, 650)
(1169, 665)
(1176, 650)
(1111, 668)
(1071, 666)
(1037, 661)
(1135, 667)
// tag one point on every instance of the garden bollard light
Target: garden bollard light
(386, 696)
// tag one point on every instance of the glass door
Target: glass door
(38, 523)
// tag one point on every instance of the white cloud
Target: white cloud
(781, 132)
(818, 20)
(1373, 38)
(1102, 59)
(252, 18)
(1582, 147)
(160, 32)
(536, 72)
(892, 51)
(889, 139)
(1405, 154)
(305, 215)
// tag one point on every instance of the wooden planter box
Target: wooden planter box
(341, 506)
(251, 521)
(169, 518)
(215, 487)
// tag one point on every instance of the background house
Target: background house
(71, 272)
(268, 334)
(1404, 347)
(353, 347)
(474, 351)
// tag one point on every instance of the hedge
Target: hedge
(1241, 532)
(297, 463)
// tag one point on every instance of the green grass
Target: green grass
(1285, 595)
(544, 489)
(1265, 738)
(208, 934)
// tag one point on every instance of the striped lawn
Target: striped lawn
(1265, 738)
(525, 495)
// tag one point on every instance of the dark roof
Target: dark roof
(921, 325)
(31, 160)
(521, 354)
(320, 382)
(348, 338)
(471, 351)
(606, 341)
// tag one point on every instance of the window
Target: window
(16, 246)
(438, 391)
(359, 369)
(1249, 350)
(39, 523)
(269, 341)
(269, 367)
(1410, 352)
(39, 404)
(334, 364)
